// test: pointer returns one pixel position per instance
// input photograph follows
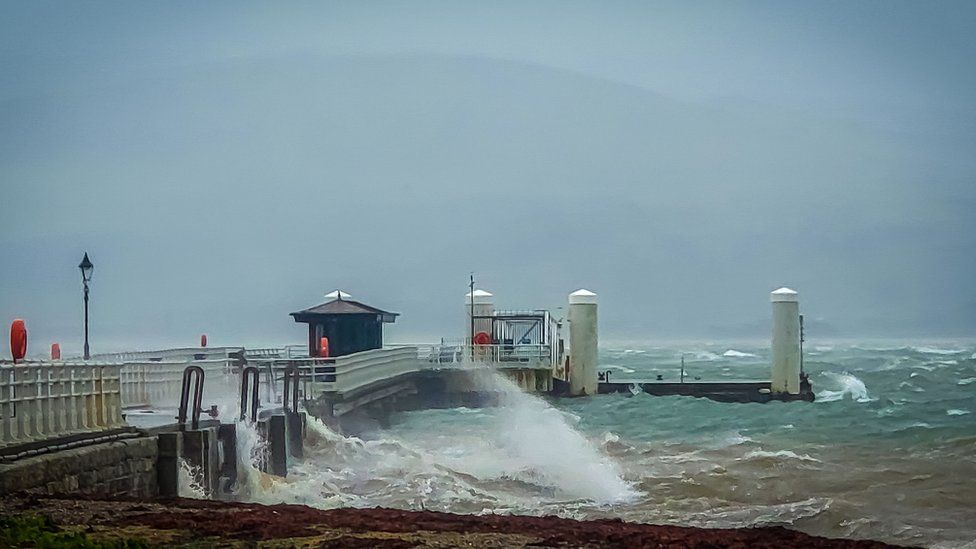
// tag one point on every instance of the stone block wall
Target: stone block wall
(119, 468)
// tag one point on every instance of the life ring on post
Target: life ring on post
(482, 338)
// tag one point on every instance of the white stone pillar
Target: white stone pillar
(484, 305)
(582, 343)
(786, 342)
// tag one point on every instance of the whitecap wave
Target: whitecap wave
(956, 412)
(780, 454)
(732, 353)
(936, 351)
(966, 381)
(850, 385)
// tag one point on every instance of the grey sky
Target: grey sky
(227, 163)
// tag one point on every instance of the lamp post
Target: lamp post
(86, 273)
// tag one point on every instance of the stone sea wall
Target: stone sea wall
(118, 468)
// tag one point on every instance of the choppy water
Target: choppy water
(887, 452)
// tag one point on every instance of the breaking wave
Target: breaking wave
(732, 353)
(850, 385)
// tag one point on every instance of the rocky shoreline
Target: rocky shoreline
(196, 523)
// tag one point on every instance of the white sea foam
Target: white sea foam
(524, 443)
(956, 412)
(936, 351)
(188, 481)
(966, 381)
(732, 353)
(540, 439)
(780, 454)
(850, 385)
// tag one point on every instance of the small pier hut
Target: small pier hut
(351, 326)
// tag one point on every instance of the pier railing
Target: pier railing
(346, 374)
(172, 355)
(497, 355)
(150, 383)
(47, 400)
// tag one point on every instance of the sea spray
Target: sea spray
(540, 440)
(522, 456)
(849, 385)
(189, 484)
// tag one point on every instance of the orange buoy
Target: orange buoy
(55, 351)
(324, 347)
(18, 339)
(203, 340)
(482, 338)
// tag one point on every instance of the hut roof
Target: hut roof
(344, 307)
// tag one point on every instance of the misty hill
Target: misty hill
(222, 197)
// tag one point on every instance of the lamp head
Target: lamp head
(86, 268)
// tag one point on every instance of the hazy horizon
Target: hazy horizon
(227, 164)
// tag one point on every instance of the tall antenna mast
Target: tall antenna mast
(801, 343)
(471, 335)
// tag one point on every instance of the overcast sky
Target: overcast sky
(228, 163)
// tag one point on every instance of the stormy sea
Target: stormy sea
(887, 451)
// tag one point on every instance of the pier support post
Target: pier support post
(786, 342)
(277, 446)
(583, 341)
(168, 463)
(295, 428)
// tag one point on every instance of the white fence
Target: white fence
(169, 355)
(146, 384)
(347, 374)
(498, 356)
(48, 400)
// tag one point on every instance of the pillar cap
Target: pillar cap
(481, 297)
(783, 295)
(582, 296)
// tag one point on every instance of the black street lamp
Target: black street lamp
(86, 273)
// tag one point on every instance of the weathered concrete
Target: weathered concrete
(583, 342)
(786, 342)
(168, 464)
(277, 445)
(201, 451)
(118, 468)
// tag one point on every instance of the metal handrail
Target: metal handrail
(191, 374)
(250, 380)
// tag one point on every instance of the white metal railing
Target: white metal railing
(150, 383)
(499, 356)
(46, 400)
(181, 354)
(347, 373)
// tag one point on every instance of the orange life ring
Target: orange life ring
(482, 338)
(18, 340)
